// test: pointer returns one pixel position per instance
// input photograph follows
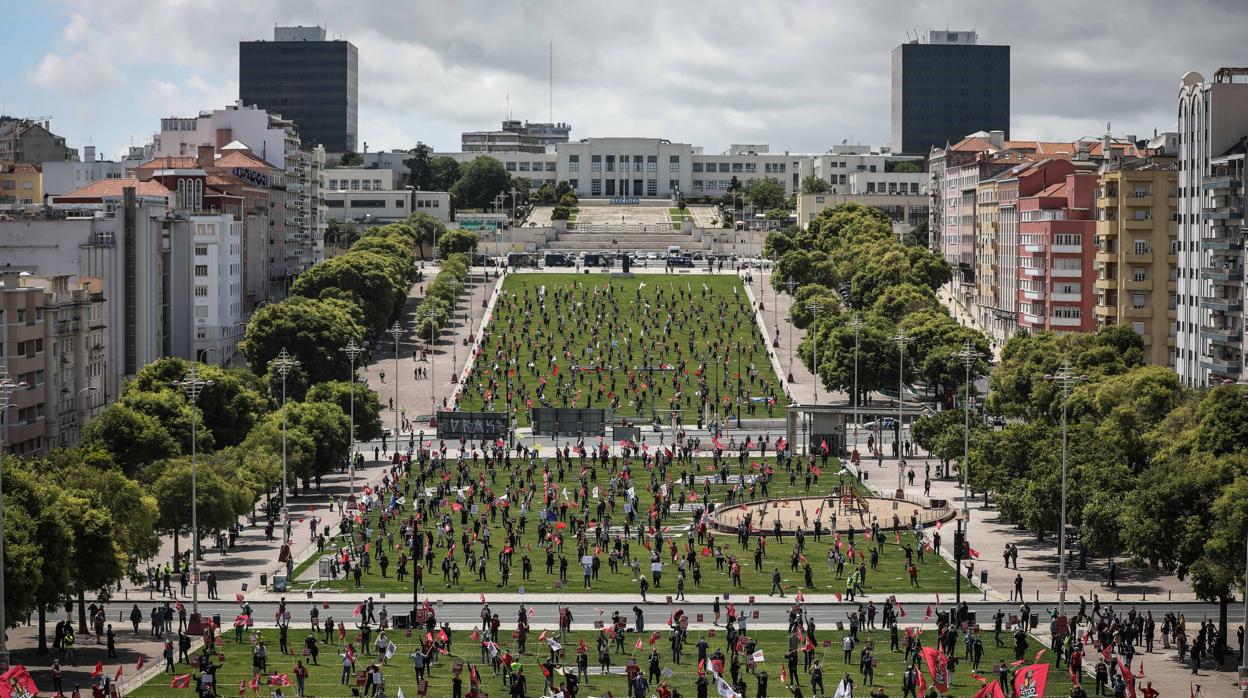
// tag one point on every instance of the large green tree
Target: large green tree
(766, 193)
(134, 438)
(420, 167)
(461, 241)
(445, 173)
(312, 330)
(367, 278)
(367, 405)
(480, 180)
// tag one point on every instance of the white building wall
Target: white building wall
(61, 177)
(217, 291)
(1212, 118)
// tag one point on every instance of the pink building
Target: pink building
(1057, 247)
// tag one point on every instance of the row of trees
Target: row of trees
(848, 261)
(79, 521)
(438, 306)
(1156, 471)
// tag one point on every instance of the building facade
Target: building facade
(30, 142)
(1213, 119)
(307, 79)
(1136, 260)
(946, 86)
(64, 176)
(21, 185)
(1056, 254)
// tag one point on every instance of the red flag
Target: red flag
(991, 689)
(654, 638)
(117, 674)
(358, 610)
(238, 599)
(254, 685)
(442, 635)
(638, 643)
(701, 667)
(98, 670)
(929, 612)
(1127, 676)
(974, 553)
(1030, 680)
(784, 674)
(242, 688)
(475, 635)
(183, 681)
(1039, 655)
(138, 666)
(824, 445)
(901, 611)
(482, 599)
(937, 667)
(838, 597)
(279, 679)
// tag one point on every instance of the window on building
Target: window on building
(697, 167)
(595, 163)
(355, 185)
(1138, 300)
(524, 167)
(611, 187)
(574, 183)
(652, 163)
(201, 291)
(673, 185)
(870, 187)
(201, 270)
(1067, 239)
(595, 187)
(751, 168)
(201, 250)
(1138, 274)
(511, 166)
(1140, 246)
(723, 167)
(574, 163)
(652, 187)
(673, 163)
(738, 167)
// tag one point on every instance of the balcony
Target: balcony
(1219, 182)
(1225, 305)
(1146, 200)
(1133, 285)
(1066, 273)
(1225, 365)
(1106, 311)
(1105, 257)
(1138, 258)
(1139, 224)
(1068, 297)
(1030, 319)
(1226, 335)
(1230, 242)
(1103, 284)
(1067, 249)
(1032, 249)
(1030, 272)
(1140, 313)
(1233, 273)
(1065, 321)
(1032, 295)
(1223, 213)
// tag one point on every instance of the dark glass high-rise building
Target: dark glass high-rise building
(306, 79)
(946, 87)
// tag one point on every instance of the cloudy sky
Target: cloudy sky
(795, 74)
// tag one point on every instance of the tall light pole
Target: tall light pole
(856, 324)
(1066, 380)
(282, 364)
(458, 288)
(961, 539)
(353, 352)
(7, 388)
(902, 339)
(396, 331)
(433, 325)
(789, 286)
(193, 385)
(814, 307)
(775, 295)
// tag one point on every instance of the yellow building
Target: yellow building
(21, 185)
(1136, 232)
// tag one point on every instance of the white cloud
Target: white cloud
(797, 75)
(80, 72)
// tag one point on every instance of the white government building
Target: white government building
(657, 168)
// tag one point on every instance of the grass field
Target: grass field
(889, 576)
(642, 346)
(324, 680)
(678, 216)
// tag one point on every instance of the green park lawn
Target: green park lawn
(325, 679)
(678, 216)
(614, 336)
(935, 575)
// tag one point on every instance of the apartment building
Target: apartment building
(64, 176)
(1056, 254)
(1136, 260)
(1213, 121)
(20, 185)
(52, 340)
(516, 136)
(31, 142)
(217, 286)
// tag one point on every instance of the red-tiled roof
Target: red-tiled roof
(170, 162)
(22, 168)
(100, 189)
(237, 158)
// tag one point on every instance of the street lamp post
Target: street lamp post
(789, 286)
(739, 388)
(283, 363)
(433, 323)
(1066, 380)
(353, 352)
(961, 540)
(814, 307)
(396, 331)
(902, 339)
(458, 288)
(856, 324)
(193, 385)
(7, 388)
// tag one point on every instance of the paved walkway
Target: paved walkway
(965, 317)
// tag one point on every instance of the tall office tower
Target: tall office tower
(946, 87)
(1213, 122)
(307, 79)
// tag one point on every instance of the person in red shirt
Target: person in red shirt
(301, 675)
(1149, 691)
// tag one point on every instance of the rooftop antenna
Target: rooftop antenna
(550, 92)
(507, 114)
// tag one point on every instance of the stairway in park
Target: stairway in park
(652, 237)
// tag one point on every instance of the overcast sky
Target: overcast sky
(797, 75)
